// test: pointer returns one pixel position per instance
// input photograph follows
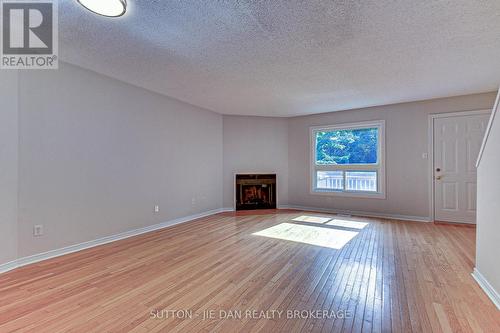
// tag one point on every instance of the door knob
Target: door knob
(439, 177)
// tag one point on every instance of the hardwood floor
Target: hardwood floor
(381, 275)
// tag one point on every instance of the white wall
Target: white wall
(255, 144)
(8, 165)
(97, 154)
(91, 156)
(488, 209)
(406, 141)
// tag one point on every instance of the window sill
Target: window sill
(366, 195)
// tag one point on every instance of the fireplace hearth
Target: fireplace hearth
(255, 191)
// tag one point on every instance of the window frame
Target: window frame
(379, 167)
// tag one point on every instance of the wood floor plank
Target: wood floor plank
(391, 276)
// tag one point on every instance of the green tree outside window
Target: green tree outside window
(350, 146)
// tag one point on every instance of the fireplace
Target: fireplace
(255, 191)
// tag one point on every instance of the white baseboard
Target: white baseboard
(487, 287)
(101, 241)
(8, 266)
(360, 213)
(349, 212)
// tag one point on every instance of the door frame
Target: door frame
(431, 118)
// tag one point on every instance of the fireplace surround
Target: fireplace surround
(255, 191)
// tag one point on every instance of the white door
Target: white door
(457, 141)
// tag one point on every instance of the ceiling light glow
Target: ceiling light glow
(110, 8)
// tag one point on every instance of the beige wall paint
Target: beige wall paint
(488, 208)
(406, 141)
(8, 165)
(255, 144)
(97, 154)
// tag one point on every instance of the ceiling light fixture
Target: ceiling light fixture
(110, 8)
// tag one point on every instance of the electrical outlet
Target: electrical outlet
(157, 209)
(38, 230)
(193, 201)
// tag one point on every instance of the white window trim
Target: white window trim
(380, 167)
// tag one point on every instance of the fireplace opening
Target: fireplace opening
(255, 191)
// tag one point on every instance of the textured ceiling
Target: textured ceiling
(291, 57)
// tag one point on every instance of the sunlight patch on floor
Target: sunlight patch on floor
(312, 219)
(348, 224)
(308, 234)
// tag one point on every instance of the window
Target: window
(349, 159)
